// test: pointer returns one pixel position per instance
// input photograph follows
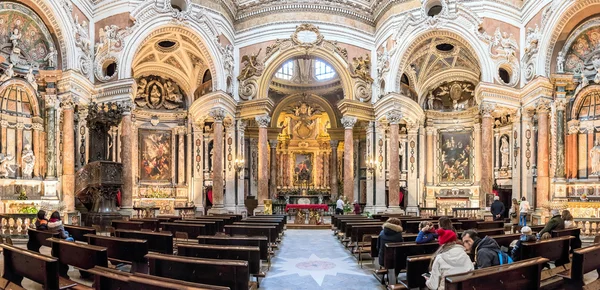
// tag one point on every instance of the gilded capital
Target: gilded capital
(348, 122)
(217, 114)
(573, 127)
(263, 121)
(561, 104)
(67, 101)
(542, 107)
(487, 109)
(50, 101)
(394, 117)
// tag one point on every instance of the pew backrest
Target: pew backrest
(79, 255)
(193, 230)
(260, 242)
(39, 238)
(121, 249)
(585, 260)
(157, 242)
(395, 254)
(554, 249)
(243, 253)
(19, 263)
(78, 232)
(261, 231)
(127, 225)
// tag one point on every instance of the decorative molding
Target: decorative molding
(263, 121)
(348, 122)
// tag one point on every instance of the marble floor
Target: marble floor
(315, 259)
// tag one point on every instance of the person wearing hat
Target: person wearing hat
(555, 223)
(450, 258)
(526, 236)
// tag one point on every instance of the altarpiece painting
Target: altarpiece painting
(456, 150)
(155, 155)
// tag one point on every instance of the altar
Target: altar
(314, 213)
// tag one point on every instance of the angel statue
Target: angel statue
(9, 73)
(252, 67)
(560, 62)
(5, 168)
(30, 77)
(28, 161)
(504, 44)
(362, 67)
(51, 57)
(595, 158)
(430, 100)
(15, 37)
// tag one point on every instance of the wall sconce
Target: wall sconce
(238, 165)
(372, 165)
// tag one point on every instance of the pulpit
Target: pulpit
(96, 188)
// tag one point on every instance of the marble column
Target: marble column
(218, 116)
(487, 151)
(560, 138)
(50, 101)
(333, 166)
(527, 152)
(181, 131)
(273, 175)
(572, 149)
(68, 164)
(370, 157)
(348, 123)
(37, 147)
(430, 166)
(127, 156)
(543, 156)
(263, 158)
(394, 118)
(241, 155)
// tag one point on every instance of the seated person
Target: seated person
(449, 259)
(555, 223)
(568, 218)
(41, 224)
(526, 236)
(55, 224)
(446, 224)
(485, 251)
(391, 233)
(426, 233)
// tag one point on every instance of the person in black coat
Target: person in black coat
(485, 251)
(391, 233)
(497, 208)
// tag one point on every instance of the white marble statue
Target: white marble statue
(505, 151)
(27, 161)
(15, 37)
(51, 57)
(9, 73)
(582, 84)
(30, 77)
(560, 62)
(5, 168)
(595, 158)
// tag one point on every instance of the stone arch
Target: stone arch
(330, 110)
(58, 22)
(451, 30)
(31, 93)
(277, 60)
(163, 24)
(411, 110)
(447, 76)
(561, 15)
(200, 108)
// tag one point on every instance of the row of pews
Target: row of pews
(208, 252)
(360, 235)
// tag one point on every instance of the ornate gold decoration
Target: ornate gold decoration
(362, 68)
(252, 66)
(154, 92)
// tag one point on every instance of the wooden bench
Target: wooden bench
(235, 217)
(554, 249)
(192, 230)
(260, 242)
(219, 223)
(78, 255)
(505, 240)
(585, 260)
(121, 250)
(375, 243)
(78, 232)
(395, 255)
(157, 242)
(37, 239)
(490, 225)
(280, 223)
(20, 263)
(415, 267)
(127, 225)
(574, 232)
(228, 273)
(148, 224)
(109, 279)
(278, 227)
(261, 231)
(243, 253)
(519, 275)
(210, 227)
(347, 231)
(487, 232)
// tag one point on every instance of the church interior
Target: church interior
(276, 144)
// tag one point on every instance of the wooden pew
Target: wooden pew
(127, 225)
(192, 230)
(251, 231)
(225, 219)
(505, 240)
(228, 273)
(337, 221)
(78, 255)
(243, 253)
(348, 229)
(20, 263)
(574, 232)
(280, 222)
(148, 224)
(37, 239)
(469, 224)
(375, 241)
(555, 249)
(395, 255)
(157, 242)
(488, 232)
(209, 226)
(415, 267)
(490, 225)
(260, 242)
(121, 250)
(519, 275)
(78, 232)
(585, 260)
(219, 223)
(109, 279)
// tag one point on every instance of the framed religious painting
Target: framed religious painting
(455, 153)
(155, 151)
(303, 168)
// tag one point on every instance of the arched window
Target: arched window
(323, 71)
(590, 107)
(286, 71)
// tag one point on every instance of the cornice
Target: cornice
(354, 108)
(498, 94)
(256, 107)
(119, 90)
(540, 87)
(75, 83)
